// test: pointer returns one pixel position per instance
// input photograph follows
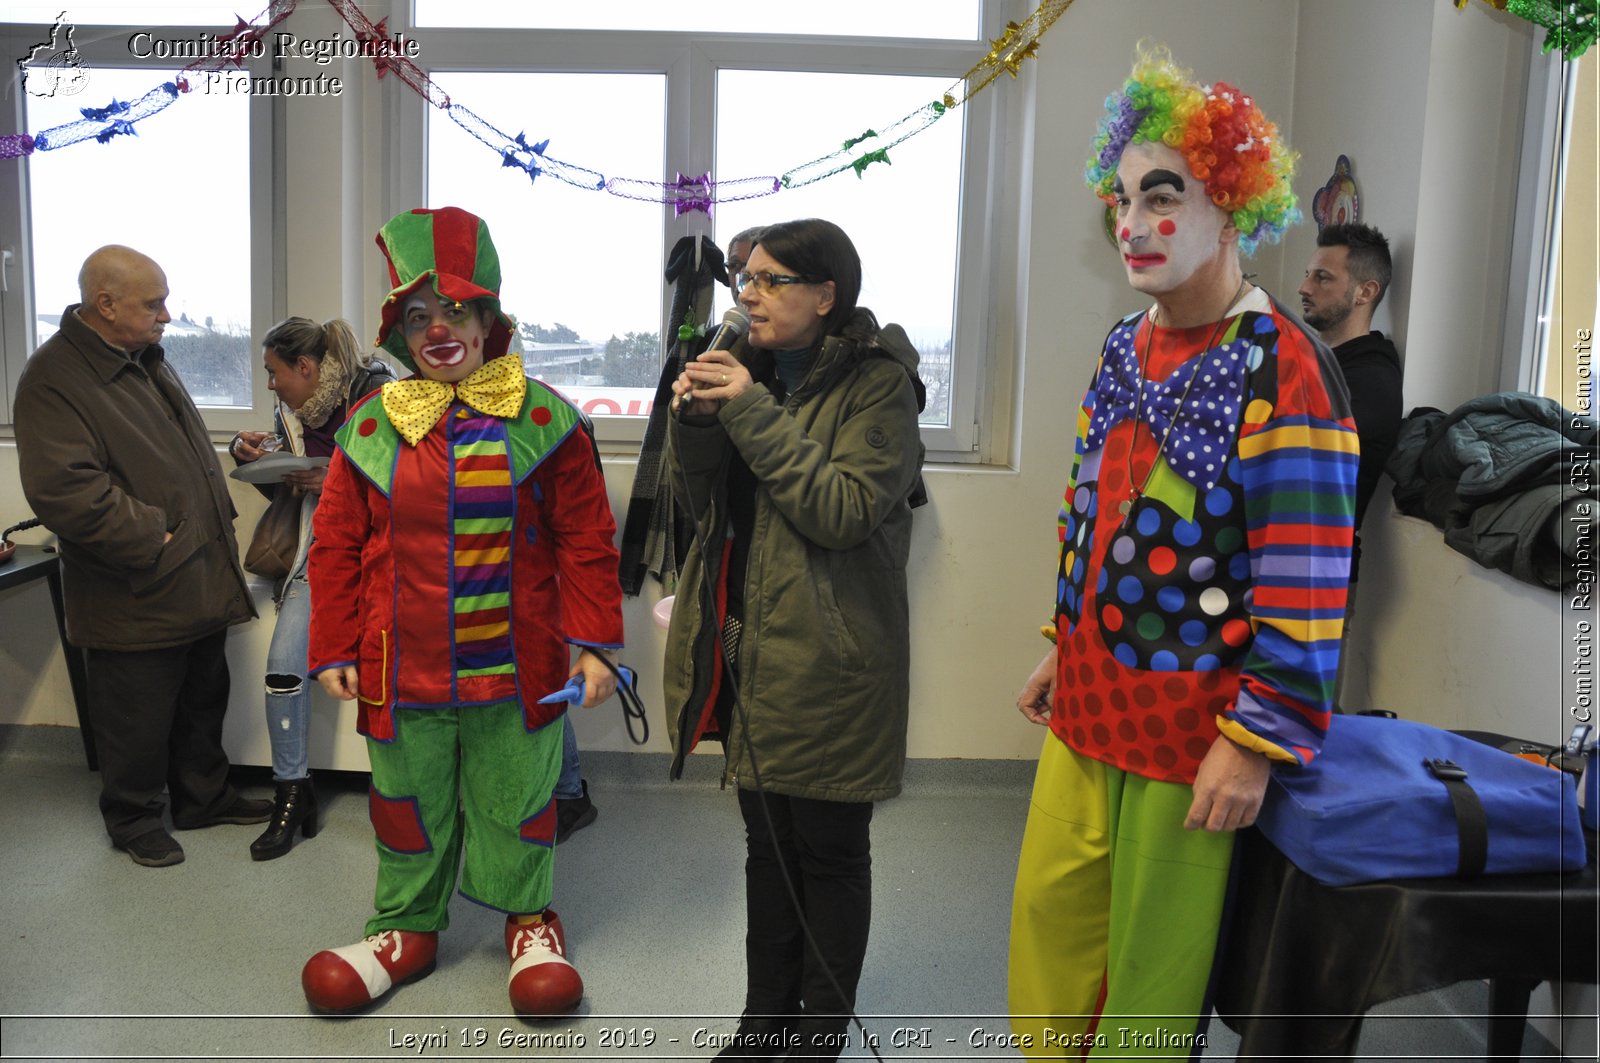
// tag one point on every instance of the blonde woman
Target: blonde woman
(318, 372)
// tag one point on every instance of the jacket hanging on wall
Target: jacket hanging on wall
(1502, 476)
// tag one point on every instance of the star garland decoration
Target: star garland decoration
(686, 194)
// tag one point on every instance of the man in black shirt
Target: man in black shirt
(1345, 281)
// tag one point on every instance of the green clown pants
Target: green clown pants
(1115, 919)
(469, 778)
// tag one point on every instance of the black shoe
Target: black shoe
(243, 810)
(574, 814)
(154, 848)
(294, 807)
(758, 1039)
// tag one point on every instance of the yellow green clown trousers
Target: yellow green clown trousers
(1116, 914)
(472, 778)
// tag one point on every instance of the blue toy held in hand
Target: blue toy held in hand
(572, 693)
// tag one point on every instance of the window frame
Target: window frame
(690, 62)
(1536, 224)
(106, 47)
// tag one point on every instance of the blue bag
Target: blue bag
(1395, 799)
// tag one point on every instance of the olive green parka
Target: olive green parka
(824, 654)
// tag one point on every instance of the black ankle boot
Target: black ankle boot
(294, 807)
(759, 1038)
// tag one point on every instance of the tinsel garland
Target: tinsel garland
(1019, 43)
(1571, 25)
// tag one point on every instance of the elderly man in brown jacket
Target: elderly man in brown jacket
(117, 463)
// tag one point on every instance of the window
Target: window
(1568, 320)
(178, 187)
(905, 230)
(945, 19)
(208, 340)
(121, 13)
(579, 267)
(583, 269)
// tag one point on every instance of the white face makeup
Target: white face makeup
(1167, 227)
(446, 338)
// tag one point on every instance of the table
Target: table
(30, 563)
(1302, 961)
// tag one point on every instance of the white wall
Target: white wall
(1405, 90)
(1427, 102)
(1361, 91)
(1438, 638)
(1409, 88)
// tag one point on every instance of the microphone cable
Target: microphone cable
(708, 606)
(633, 710)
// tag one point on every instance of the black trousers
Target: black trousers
(827, 848)
(157, 721)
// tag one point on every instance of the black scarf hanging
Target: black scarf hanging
(649, 537)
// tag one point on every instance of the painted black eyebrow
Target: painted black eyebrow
(1161, 177)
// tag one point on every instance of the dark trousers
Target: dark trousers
(827, 848)
(157, 721)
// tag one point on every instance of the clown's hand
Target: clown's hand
(598, 681)
(339, 682)
(1038, 692)
(1228, 788)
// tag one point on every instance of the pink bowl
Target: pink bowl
(662, 613)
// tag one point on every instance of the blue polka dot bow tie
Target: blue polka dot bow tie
(1194, 410)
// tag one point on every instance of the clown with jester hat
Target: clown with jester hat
(464, 543)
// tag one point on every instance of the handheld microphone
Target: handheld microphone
(735, 323)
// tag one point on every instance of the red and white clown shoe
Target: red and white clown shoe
(543, 982)
(348, 978)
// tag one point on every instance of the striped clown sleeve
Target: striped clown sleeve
(1299, 458)
(1085, 411)
(1064, 516)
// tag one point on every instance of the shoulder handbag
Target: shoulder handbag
(276, 540)
(1393, 798)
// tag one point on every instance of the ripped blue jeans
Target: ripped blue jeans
(288, 692)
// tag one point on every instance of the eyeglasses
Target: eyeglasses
(765, 282)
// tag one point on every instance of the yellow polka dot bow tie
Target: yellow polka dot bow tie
(414, 406)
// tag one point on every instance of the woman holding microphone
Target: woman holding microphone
(797, 455)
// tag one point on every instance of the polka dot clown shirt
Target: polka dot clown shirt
(1205, 545)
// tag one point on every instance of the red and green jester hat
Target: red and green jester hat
(451, 249)
(392, 549)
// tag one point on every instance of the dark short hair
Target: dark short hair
(1368, 254)
(751, 236)
(817, 248)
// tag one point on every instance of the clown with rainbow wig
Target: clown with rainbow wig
(1204, 554)
(1228, 144)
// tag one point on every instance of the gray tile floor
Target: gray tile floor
(101, 959)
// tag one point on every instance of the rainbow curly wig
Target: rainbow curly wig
(1228, 142)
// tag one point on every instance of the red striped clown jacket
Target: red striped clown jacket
(457, 572)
